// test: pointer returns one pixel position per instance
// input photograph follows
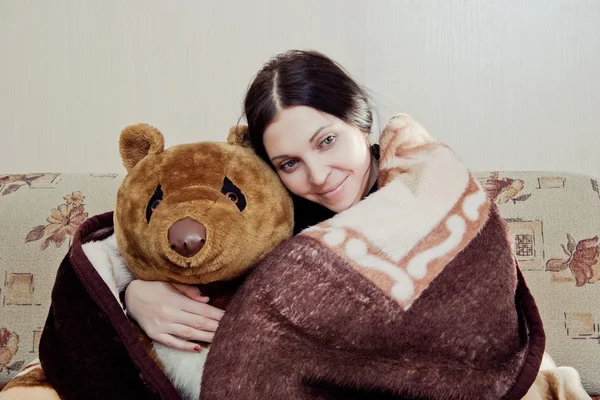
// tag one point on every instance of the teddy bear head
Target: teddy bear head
(197, 213)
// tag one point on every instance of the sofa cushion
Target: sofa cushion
(39, 214)
(554, 218)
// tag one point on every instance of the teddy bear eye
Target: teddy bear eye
(154, 202)
(234, 194)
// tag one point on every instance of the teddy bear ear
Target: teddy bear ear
(238, 135)
(138, 141)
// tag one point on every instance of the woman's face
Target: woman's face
(319, 157)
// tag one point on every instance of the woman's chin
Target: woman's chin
(340, 205)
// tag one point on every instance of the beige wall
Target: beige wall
(508, 84)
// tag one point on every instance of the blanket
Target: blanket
(89, 348)
(413, 293)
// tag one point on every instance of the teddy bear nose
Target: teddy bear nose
(187, 236)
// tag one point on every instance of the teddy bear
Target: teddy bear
(203, 213)
(199, 214)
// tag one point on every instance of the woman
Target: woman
(310, 121)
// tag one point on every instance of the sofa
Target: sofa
(554, 218)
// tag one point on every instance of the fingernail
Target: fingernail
(197, 348)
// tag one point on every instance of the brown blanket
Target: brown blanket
(414, 293)
(88, 348)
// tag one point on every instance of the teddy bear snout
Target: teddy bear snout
(187, 236)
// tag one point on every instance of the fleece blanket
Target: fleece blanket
(413, 293)
(89, 349)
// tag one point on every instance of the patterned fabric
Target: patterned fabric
(444, 214)
(39, 214)
(552, 216)
(412, 293)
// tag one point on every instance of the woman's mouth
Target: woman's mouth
(333, 193)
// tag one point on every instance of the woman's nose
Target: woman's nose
(317, 174)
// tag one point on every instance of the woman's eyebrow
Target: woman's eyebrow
(281, 156)
(317, 132)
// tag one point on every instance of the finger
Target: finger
(191, 291)
(175, 343)
(204, 310)
(196, 321)
(186, 332)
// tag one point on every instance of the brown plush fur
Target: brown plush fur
(138, 141)
(239, 135)
(191, 177)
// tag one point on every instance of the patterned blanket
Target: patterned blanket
(414, 293)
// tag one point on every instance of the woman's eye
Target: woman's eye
(328, 140)
(286, 166)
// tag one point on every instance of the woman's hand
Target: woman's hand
(170, 313)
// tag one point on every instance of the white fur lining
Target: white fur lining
(105, 257)
(183, 368)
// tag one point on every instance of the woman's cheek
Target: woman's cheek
(288, 182)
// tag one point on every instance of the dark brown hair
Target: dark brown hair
(303, 78)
